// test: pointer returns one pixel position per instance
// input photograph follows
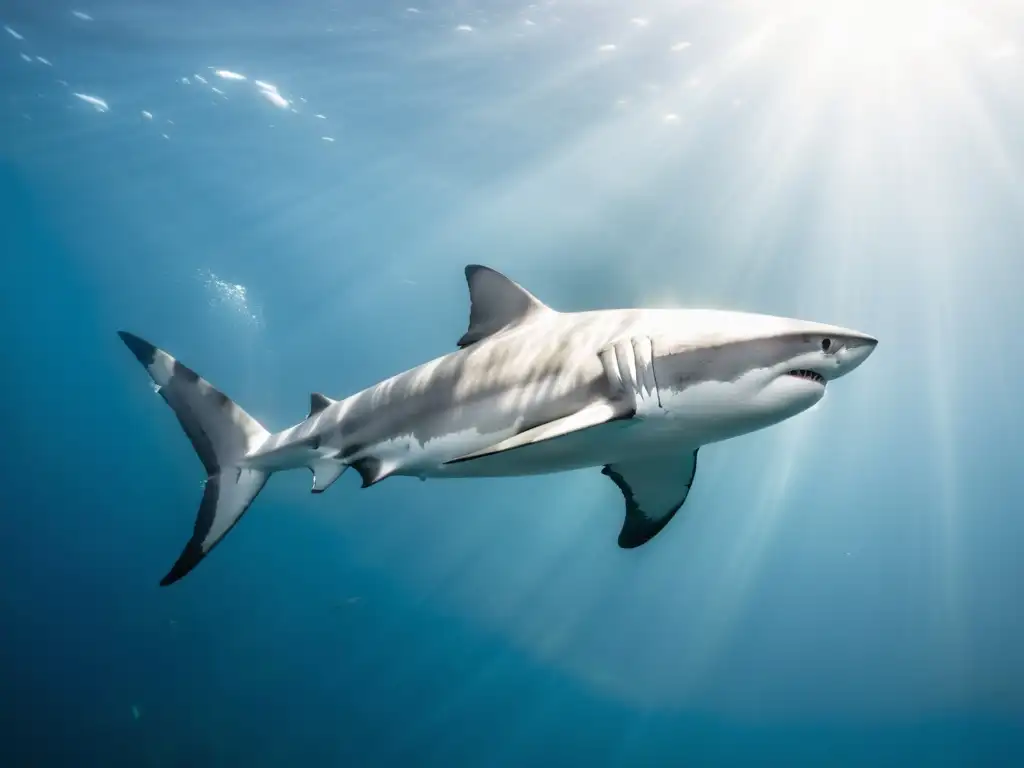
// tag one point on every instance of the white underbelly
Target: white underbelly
(713, 411)
(607, 444)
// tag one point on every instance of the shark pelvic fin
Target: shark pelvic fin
(372, 469)
(495, 303)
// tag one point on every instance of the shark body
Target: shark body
(528, 391)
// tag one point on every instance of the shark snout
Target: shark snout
(855, 351)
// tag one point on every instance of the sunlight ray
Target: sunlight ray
(751, 546)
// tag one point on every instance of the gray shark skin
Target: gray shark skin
(528, 391)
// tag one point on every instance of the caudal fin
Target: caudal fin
(222, 434)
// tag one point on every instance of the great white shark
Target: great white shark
(529, 390)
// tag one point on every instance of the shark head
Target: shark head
(726, 373)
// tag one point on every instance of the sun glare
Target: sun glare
(870, 35)
(879, 44)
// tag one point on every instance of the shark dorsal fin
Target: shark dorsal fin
(317, 403)
(495, 303)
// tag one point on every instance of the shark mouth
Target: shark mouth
(803, 373)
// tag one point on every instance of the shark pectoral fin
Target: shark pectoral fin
(654, 490)
(593, 415)
(495, 302)
(325, 472)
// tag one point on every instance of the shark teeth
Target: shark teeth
(803, 373)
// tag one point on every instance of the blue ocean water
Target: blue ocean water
(284, 196)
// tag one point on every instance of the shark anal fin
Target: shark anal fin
(593, 415)
(654, 489)
(495, 302)
(325, 472)
(317, 403)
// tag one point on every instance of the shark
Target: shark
(528, 390)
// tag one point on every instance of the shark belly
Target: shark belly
(407, 455)
(414, 424)
(714, 411)
(593, 448)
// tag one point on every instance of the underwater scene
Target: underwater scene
(497, 383)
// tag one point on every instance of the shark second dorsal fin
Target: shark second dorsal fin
(495, 303)
(317, 403)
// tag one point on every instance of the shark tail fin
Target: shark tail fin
(222, 434)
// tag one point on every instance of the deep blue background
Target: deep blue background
(844, 589)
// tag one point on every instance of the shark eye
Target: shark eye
(826, 345)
